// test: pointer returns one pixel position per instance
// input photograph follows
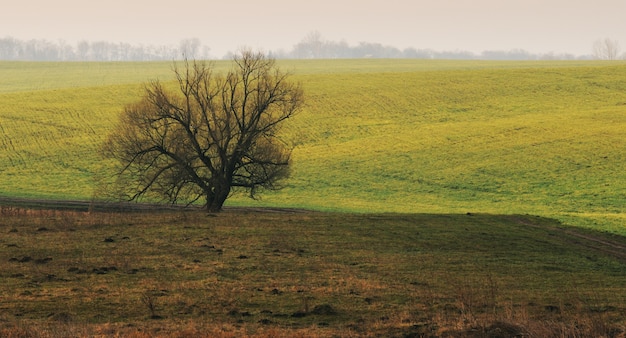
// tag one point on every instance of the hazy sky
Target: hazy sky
(538, 26)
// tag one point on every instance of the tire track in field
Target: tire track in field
(597, 243)
(15, 158)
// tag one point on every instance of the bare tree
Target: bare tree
(311, 47)
(606, 49)
(190, 47)
(214, 134)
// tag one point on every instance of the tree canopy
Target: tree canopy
(212, 135)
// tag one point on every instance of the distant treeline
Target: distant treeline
(45, 50)
(332, 50)
(311, 47)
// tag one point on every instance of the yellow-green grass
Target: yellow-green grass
(545, 138)
(548, 142)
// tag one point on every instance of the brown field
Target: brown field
(286, 273)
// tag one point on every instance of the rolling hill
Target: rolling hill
(408, 136)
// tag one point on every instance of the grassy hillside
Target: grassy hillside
(543, 141)
(544, 138)
(307, 274)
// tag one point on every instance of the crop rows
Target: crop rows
(525, 141)
(49, 139)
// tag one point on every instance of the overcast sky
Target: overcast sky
(537, 26)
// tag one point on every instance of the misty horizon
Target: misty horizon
(312, 46)
(538, 27)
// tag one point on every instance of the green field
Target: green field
(409, 136)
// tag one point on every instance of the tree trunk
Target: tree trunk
(217, 196)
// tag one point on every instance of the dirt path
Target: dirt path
(78, 205)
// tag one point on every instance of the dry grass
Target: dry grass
(285, 274)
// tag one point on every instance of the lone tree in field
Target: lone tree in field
(211, 135)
